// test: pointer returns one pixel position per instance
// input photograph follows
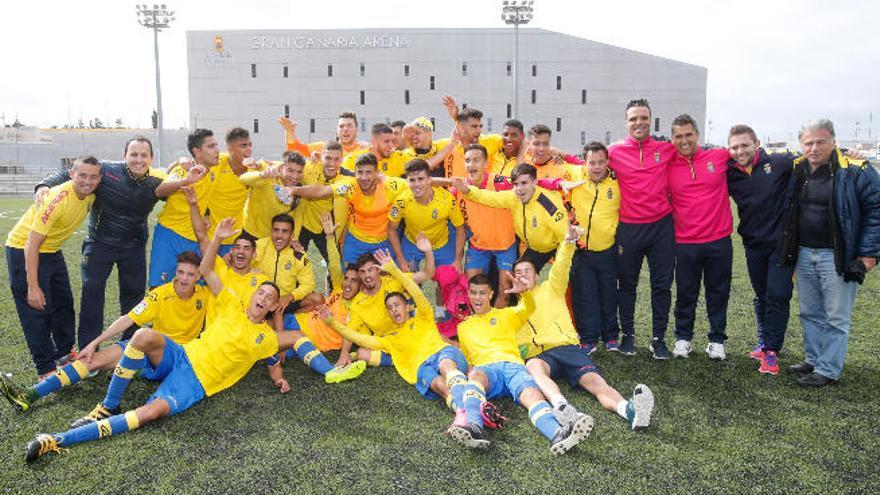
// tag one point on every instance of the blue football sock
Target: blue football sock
(68, 375)
(473, 398)
(456, 382)
(310, 355)
(132, 361)
(542, 417)
(114, 425)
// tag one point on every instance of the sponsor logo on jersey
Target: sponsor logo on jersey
(52, 205)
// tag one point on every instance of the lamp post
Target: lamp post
(156, 18)
(516, 13)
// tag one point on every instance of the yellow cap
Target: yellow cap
(424, 123)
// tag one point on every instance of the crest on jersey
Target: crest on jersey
(435, 214)
(395, 211)
(710, 167)
(212, 177)
(218, 43)
(534, 222)
(253, 281)
(493, 321)
(260, 338)
(610, 193)
(288, 265)
(657, 156)
(198, 304)
(767, 168)
(342, 189)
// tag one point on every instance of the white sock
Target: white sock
(621, 408)
(558, 401)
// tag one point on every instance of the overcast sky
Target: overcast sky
(772, 63)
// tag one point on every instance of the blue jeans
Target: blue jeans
(826, 303)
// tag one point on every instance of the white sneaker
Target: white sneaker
(682, 348)
(715, 350)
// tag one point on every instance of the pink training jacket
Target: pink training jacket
(640, 167)
(700, 205)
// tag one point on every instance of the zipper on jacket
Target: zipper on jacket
(641, 155)
(277, 257)
(525, 224)
(590, 221)
(691, 165)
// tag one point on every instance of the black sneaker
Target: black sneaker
(471, 436)
(814, 380)
(628, 345)
(659, 350)
(40, 445)
(13, 393)
(571, 434)
(98, 413)
(801, 369)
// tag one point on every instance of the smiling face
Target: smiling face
(291, 173)
(597, 164)
(366, 177)
(281, 232)
(524, 187)
(185, 277)
(331, 161)
(638, 122)
(513, 138)
(742, 148)
(475, 163)
(471, 130)
(369, 275)
(421, 138)
(85, 178)
(686, 139)
(262, 301)
(539, 147)
(384, 144)
(138, 158)
(525, 270)
(351, 284)
(239, 149)
(420, 184)
(397, 308)
(346, 131)
(480, 296)
(242, 255)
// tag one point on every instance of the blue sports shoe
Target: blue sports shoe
(588, 348)
(628, 345)
(612, 346)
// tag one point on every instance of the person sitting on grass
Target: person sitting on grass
(237, 338)
(176, 309)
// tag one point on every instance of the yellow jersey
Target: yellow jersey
(491, 337)
(393, 166)
(552, 326)
(368, 214)
(180, 320)
(554, 169)
(229, 346)
(244, 285)
(306, 149)
(367, 313)
(501, 164)
(175, 214)
(309, 210)
(228, 197)
(541, 223)
(57, 219)
(596, 207)
(263, 203)
(454, 162)
(322, 335)
(429, 218)
(290, 270)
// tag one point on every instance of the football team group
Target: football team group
(475, 218)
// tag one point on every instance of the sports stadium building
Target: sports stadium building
(575, 86)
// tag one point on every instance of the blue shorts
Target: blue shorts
(444, 255)
(353, 247)
(480, 259)
(507, 379)
(430, 369)
(180, 387)
(167, 244)
(569, 362)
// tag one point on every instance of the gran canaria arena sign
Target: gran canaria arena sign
(327, 42)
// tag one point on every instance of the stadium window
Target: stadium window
(284, 72)
(363, 97)
(509, 110)
(432, 123)
(583, 138)
(363, 69)
(558, 83)
(489, 124)
(463, 106)
(464, 68)
(256, 126)
(406, 97)
(329, 70)
(657, 124)
(534, 70)
(607, 137)
(509, 69)
(432, 83)
(406, 70)
(534, 96)
(387, 120)
(287, 111)
(363, 125)
(312, 126)
(558, 124)
(253, 70)
(583, 97)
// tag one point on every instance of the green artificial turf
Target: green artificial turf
(718, 427)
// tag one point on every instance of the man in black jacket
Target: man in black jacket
(832, 237)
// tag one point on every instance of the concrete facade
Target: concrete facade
(580, 87)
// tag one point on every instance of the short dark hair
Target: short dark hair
(524, 169)
(139, 139)
(478, 147)
(394, 294)
(640, 102)
(282, 218)
(196, 139)
(293, 157)
(595, 146)
(363, 259)
(349, 115)
(540, 129)
(417, 165)
(515, 124)
(246, 236)
(333, 146)
(367, 159)
(88, 160)
(236, 133)
(398, 123)
(272, 285)
(351, 267)
(685, 119)
(190, 258)
(742, 129)
(381, 128)
(524, 260)
(480, 279)
(469, 113)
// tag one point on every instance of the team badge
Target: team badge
(710, 167)
(342, 189)
(84, 261)
(395, 211)
(657, 156)
(198, 304)
(620, 250)
(384, 166)
(534, 222)
(260, 338)
(253, 281)
(610, 193)
(164, 276)
(767, 168)
(288, 265)
(212, 176)
(435, 214)
(493, 321)
(139, 308)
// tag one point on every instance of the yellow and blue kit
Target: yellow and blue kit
(540, 223)
(290, 270)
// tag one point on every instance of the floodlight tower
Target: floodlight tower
(157, 19)
(516, 13)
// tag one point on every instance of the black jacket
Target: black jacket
(760, 196)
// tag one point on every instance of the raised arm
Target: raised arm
(559, 271)
(291, 142)
(426, 273)
(334, 260)
(438, 159)
(495, 199)
(313, 191)
(360, 339)
(424, 309)
(225, 229)
(172, 183)
(195, 216)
